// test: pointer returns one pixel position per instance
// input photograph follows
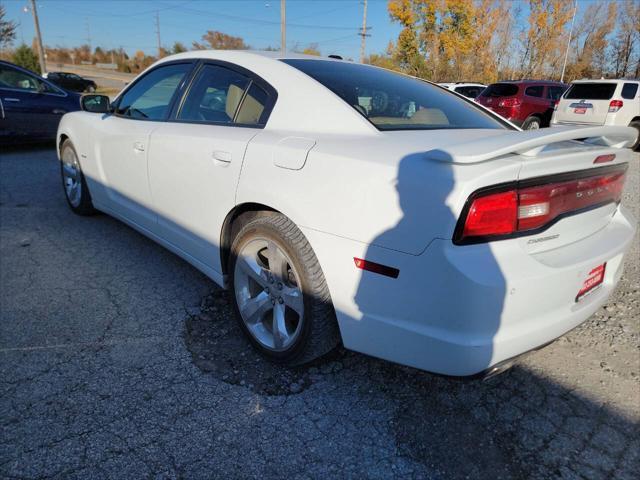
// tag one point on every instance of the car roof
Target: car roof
(607, 80)
(532, 82)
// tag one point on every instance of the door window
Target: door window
(535, 91)
(218, 96)
(150, 97)
(17, 80)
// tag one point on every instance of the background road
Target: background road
(118, 359)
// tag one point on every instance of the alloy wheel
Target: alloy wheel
(268, 294)
(71, 176)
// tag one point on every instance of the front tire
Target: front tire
(532, 123)
(279, 293)
(73, 182)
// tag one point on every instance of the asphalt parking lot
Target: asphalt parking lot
(119, 360)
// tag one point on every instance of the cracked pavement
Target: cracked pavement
(119, 360)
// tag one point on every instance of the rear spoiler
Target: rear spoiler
(530, 143)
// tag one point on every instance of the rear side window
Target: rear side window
(590, 91)
(150, 97)
(392, 101)
(500, 90)
(252, 107)
(629, 90)
(214, 96)
(535, 91)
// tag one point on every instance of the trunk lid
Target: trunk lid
(552, 156)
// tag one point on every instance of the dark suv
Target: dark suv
(527, 103)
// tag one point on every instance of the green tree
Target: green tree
(7, 29)
(25, 57)
(178, 47)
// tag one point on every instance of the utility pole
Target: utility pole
(43, 66)
(158, 34)
(86, 23)
(566, 53)
(363, 33)
(283, 27)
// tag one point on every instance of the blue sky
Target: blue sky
(333, 24)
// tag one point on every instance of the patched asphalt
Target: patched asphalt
(119, 360)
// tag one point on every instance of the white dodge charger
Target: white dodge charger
(346, 203)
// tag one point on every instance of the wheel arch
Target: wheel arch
(230, 226)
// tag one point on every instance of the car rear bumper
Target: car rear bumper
(460, 310)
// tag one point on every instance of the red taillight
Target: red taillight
(528, 208)
(555, 105)
(509, 102)
(492, 215)
(615, 105)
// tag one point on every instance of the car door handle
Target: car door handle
(59, 111)
(11, 99)
(138, 146)
(222, 158)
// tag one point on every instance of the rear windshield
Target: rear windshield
(500, 90)
(590, 91)
(392, 101)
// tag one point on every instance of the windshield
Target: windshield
(590, 91)
(392, 101)
(500, 90)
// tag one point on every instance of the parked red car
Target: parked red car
(527, 103)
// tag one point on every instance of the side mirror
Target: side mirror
(95, 103)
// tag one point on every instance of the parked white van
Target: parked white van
(600, 102)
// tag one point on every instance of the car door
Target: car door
(31, 106)
(195, 159)
(121, 143)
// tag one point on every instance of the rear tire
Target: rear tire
(636, 146)
(279, 293)
(74, 184)
(532, 123)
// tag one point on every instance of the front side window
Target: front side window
(391, 101)
(150, 97)
(629, 90)
(535, 91)
(17, 80)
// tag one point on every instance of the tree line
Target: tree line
(444, 40)
(487, 40)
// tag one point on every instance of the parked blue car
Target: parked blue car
(30, 106)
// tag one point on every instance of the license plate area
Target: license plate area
(593, 282)
(580, 111)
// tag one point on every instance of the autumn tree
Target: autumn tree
(7, 30)
(626, 45)
(220, 41)
(589, 56)
(544, 39)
